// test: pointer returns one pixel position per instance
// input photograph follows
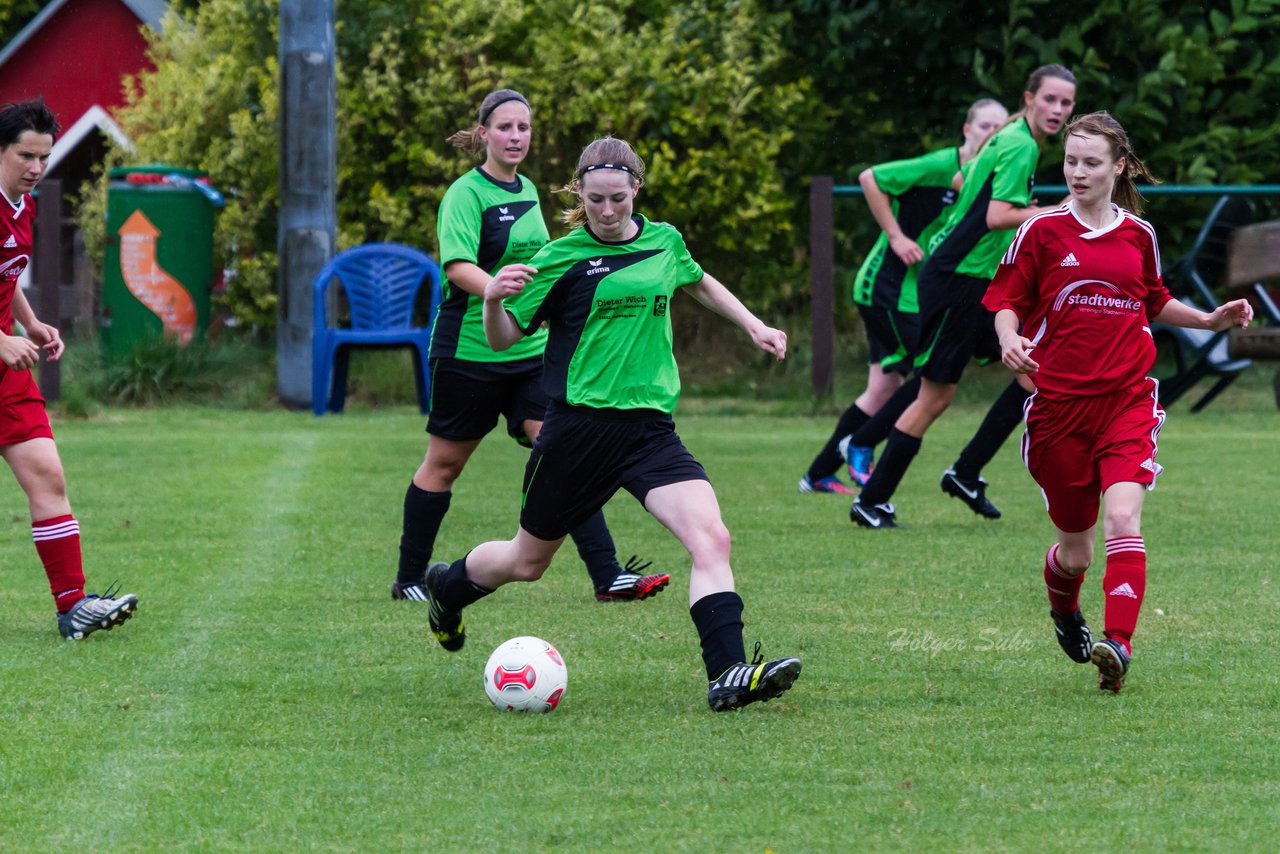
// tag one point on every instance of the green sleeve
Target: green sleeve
(935, 169)
(524, 305)
(688, 271)
(458, 226)
(1015, 167)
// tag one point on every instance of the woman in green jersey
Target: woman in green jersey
(908, 199)
(994, 201)
(490, 217)
(604, 290)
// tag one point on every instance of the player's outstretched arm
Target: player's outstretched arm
(500, 328)
(1235, 313)
(717, 297)
(1013, 347)
(46, 337)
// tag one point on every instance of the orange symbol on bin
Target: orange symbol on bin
(147, 281)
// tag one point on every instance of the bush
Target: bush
(686, 82)
(156, 370)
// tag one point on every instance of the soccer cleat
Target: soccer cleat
(873, 515)
(858, 459)
(1073, 635)
(1112, 661)
(971, 492)
(446, 624)
(95, 612)
(408, 592)
(630, 585)
(826, 484)
(744, 683)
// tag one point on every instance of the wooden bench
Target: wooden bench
(1253, 261)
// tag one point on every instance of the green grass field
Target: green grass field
(270, 697)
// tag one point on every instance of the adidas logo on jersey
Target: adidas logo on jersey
(10, 243)
(1124, 590)
(1070, 261)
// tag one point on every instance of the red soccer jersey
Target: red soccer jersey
(1085, 297)
(15, 252)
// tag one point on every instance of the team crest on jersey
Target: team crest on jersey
(660, 306)
(14, 267)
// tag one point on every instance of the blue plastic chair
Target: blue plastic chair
(381, 281)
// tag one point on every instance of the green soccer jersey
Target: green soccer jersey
(491, 224)
(607, 304)
(919, 191)
(1003, 171)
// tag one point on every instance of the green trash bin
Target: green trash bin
(159, 256)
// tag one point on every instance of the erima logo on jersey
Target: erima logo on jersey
(596, 269)
(10, 243)
(1070, 261)
(506, 217)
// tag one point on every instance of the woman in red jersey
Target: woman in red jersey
(1083, 282)
(27, 131)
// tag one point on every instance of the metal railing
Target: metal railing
(822, 192)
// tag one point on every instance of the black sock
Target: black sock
(828, 460)
(899, 450)
(877, 428)
(718, 619)
(595, 547)
(423, 513)
(1002, 419)
(455, 591)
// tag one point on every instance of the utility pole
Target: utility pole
(308, 182)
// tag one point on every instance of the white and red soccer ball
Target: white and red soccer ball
(525, 674)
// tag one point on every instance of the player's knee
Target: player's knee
(715, 542)
(530, 568)
(1121, 522)
(1074, 561)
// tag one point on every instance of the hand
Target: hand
(1015, 354)
(510, 280)
(19, 353)
(47, 338)
(906, 249)
(1235, 313)
(770, 340)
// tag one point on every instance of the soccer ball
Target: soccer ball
(525, 674)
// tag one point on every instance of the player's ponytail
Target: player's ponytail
(1125, 193)
(606, 153)
(470, 140)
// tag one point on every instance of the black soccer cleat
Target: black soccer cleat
(881, 515)
(759, 681)
(630, 586)
(405, 592)
(972, 492)
(1073, 635)
(1112, 661)
(446, 624)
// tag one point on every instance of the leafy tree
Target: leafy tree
(685, 82)
(16, 14)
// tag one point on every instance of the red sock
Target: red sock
(58, 544)
(1064, 589)
(1124, 584)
